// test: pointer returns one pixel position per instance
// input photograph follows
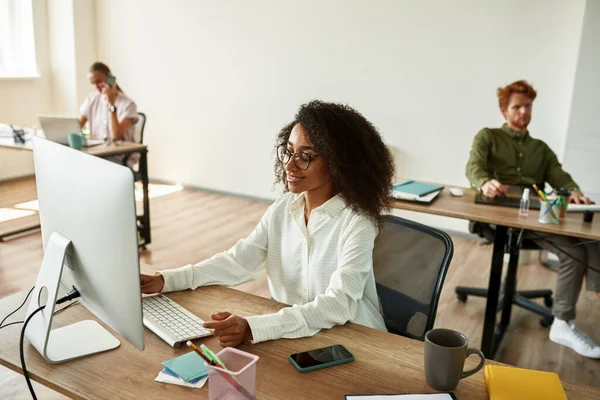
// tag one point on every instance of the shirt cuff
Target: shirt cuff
(177, 279)
(478, 182)
(265, 327)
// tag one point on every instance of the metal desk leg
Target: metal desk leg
(487, 341)
(509, 292)
(146, 200)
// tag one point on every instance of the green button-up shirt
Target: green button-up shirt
(515, 159)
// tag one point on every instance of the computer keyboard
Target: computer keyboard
(583, 207)
(170, 321)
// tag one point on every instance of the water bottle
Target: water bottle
(524, 208)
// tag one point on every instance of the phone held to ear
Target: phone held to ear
(321, 358)
(111, 80)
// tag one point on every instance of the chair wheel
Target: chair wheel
(548, 302)
(546, 321)
(461, 297)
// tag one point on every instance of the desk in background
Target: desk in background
(102, 150)
(503, 217)
(385, 363)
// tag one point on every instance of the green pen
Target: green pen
(207, 355)
(564, 202)
(213, 357)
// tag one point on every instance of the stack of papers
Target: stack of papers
(186, 370)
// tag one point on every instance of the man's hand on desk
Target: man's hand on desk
(578, 198)
(152, 283)
(229, 329)
(494, 188)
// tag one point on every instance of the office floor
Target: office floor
(189, 226)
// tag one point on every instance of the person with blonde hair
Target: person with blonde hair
(110, 114)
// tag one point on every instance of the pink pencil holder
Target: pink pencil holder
(239, 382)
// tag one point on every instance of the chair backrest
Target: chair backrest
(410, 261)
(138, 135)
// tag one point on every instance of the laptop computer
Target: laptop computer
(58, 128)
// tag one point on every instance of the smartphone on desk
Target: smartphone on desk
(321, 358)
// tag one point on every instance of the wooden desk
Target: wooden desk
(385, 363)
(9, 143)
(103, 150)
(465, 208)
(503, 217)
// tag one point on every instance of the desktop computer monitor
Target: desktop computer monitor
(89, 232)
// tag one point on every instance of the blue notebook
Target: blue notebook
(416, 189)
(188, 367)
(173, 374)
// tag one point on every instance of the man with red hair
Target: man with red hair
(509, 156)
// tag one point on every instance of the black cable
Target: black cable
(55, 312)
(22, 304)
(72, 294)
(65, 307)
(12, 323)
(584, 242)
(562, 251)
(22, 353)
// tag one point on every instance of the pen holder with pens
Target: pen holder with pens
(549, 214)
(240, 380)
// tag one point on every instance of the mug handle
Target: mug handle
(464, 374)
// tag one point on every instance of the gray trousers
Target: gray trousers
(575, 257)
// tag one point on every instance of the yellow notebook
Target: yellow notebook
(508, 383)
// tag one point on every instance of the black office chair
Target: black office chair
(521, 298)
(138, 137)
(410, 261)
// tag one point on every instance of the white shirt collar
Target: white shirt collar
(332, 207)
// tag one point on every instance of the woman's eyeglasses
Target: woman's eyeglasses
(301, 159)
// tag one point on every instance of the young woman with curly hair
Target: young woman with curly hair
(315, 241)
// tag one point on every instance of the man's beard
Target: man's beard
(521, 122)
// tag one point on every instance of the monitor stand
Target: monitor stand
(68, 342)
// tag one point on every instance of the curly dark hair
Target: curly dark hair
(360, 164)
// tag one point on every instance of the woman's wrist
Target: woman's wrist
(161, 278)
(248, 335)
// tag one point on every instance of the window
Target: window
(17, 46)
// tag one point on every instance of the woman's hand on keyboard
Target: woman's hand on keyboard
(230, 330)
(152, 283)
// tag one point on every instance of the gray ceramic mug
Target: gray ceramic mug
(445, 354)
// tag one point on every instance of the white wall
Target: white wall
(61, 35)
(84, 27)
(22, 99)
(582, 156)
(65, 38)
(218, 79)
